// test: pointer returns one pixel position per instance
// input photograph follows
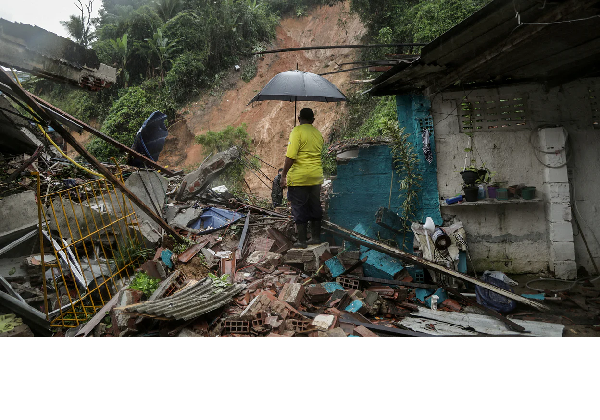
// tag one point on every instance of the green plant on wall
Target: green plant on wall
(406, 163)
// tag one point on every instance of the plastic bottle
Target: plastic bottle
(481, 192)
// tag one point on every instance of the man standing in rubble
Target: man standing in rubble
(303, 175)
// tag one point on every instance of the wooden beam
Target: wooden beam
(421, 262)
(331, 47)
(149, 162)
(24, 95)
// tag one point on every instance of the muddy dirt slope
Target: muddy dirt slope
(270, 122)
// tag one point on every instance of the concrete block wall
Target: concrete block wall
(362, 184)
(532, 237)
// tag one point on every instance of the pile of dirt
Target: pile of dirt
(269, 123)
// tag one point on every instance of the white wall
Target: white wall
(514, 237)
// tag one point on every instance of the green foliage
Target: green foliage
(329, 162)
(218, 141)
(377, 122)
(144, 283)
(215, 142)
(406, 163)
(296, 7)
(131, 252)
(162, 48)
(249, 70)
(187, 67)
(127, 115)
(219, 283)
(389, 21)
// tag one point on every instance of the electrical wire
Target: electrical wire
(257, 157)
(54, 144)
(571, 282)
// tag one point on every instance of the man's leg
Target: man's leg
(315, 214)
(298, 198)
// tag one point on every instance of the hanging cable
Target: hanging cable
(257, 157)
(54, 144)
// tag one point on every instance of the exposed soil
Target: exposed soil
(270, 122)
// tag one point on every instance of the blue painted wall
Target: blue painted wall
(362, 185)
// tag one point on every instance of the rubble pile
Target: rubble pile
(236, 272)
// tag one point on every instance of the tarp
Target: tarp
(213, 218)
(150, 138)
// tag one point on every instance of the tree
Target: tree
(80, 28)
(167, 9)
(163, 50)
(119, 46)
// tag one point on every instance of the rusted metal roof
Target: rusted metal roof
(190, 302)
(506, 42)
(37, 51)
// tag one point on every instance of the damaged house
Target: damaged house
(512, 94)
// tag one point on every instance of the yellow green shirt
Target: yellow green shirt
(305, 145)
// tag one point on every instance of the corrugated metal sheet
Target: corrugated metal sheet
(498, 46)
(190, 302)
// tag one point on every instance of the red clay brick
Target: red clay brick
(363, 331)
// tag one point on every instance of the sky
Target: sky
(46, 14)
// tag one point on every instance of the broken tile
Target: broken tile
(292, 293)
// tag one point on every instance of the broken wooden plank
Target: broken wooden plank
(413, 259)
(240, 248)
(25, 164)
(397, 282)
(91, 324)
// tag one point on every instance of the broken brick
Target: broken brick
(451, 304)
(339, 299)
(316, 293)
(292, 293)
(382, 290)
(297, 325)
(324, 322)
(363, 331)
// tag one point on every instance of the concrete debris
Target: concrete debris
(197, 181)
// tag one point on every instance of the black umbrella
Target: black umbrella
(296, 85)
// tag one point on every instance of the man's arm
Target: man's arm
(286, 167)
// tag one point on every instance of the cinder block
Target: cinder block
(556, 174)
(297, 325)
(562, 251)
(565, 269)
(561, 232)
(348, 283)
(236, 326)
(558, 212)
(556, 192)
(552, 139)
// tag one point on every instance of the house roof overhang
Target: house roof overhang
(506, 42)
(37, 51)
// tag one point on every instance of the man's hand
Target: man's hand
(283, 182)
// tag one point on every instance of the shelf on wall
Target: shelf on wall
(491, 202)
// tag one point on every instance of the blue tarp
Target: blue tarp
(150, 138)
(212, 219)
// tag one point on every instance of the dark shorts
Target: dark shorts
(306, 203)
